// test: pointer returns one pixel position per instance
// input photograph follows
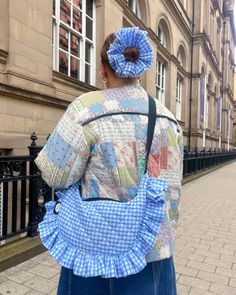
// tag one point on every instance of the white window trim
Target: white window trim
(83, 39)
(180, 59)
(161, 36)
(160, 88)
(179, 97)
(135, 8)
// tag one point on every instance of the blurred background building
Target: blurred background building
(50, 54)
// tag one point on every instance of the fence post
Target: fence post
(33, 190)
(39, 191)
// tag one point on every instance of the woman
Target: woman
(97, 152)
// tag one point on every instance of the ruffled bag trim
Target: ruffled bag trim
(107, 266)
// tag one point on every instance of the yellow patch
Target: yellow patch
(89, 135)
(127, 176)
(88, 99)
(171, 138)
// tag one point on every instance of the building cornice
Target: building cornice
(229, 93)
(24, 94)
(202, 39)
(173, 10)
(179, 67)
(228, 12)
(72, 82)
(184, 11)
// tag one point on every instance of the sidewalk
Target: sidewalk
(205, 255)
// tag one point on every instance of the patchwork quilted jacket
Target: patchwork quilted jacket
(100, 142)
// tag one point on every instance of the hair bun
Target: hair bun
(131, 54)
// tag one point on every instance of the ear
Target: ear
(102, 71)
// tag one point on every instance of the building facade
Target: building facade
(50, 54)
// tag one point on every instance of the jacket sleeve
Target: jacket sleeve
(63, 159)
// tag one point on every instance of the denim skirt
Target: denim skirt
(157, 278)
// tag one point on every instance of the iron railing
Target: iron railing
(23, 193)
(197, 161)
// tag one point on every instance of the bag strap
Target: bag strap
(151, 126)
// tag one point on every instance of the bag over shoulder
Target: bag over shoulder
(105, 237)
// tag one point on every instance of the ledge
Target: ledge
(28, 95)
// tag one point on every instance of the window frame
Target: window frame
(160, 76)
(179, 98)
(161, 35)
(57, 23)
(135, 7)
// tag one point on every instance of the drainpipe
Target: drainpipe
(191, 79)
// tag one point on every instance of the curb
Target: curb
(19, 251)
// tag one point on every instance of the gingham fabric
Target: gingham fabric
(130, 38)
(104, 238)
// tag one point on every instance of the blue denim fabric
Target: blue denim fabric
(157, 278)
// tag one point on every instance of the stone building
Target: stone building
(49, 54)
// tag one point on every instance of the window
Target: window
(180, 59)
(161, 35)
(160, 82)
(73, 38)
(134, 5)
(179, 90)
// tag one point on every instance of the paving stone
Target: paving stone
(227, 272)
(213, 277)
(190, 256)
(44, 271)
(53, 292)
(27, 264)
(195, 291)
(48, 260)
(183, 270)
(222, 289)
(201, 266)
(222, 250)
(21, 276)
(9, 271)
(2, 279)
(207, 253)
(232, 283)
(180, 260)
(218, 262)
(56, 278)
(198, 246)
(229, 258)
(212, 243)
(193, 282)
(41, 284)
(57, 267)
(182, 289)
(13, 288)
(33, 292)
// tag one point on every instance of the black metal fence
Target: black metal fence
(23, 193)
(197, 161)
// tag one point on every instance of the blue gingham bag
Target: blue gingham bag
(104, 237)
